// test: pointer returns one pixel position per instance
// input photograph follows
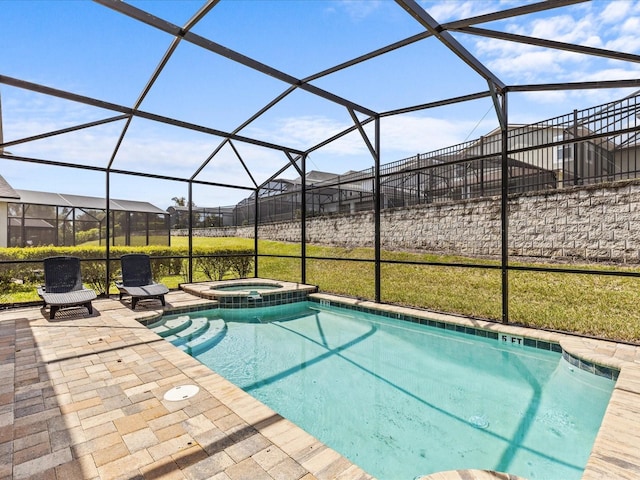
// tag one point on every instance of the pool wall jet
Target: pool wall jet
(251, 293)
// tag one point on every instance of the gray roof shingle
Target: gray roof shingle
(6, 190)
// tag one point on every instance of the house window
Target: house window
(564, 153)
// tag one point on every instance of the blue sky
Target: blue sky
(86, 48)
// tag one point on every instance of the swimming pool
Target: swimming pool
(402, 399)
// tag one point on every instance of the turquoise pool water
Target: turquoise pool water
(403, 400)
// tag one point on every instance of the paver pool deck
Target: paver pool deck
(82, 397)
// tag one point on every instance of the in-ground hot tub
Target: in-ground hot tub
(245, 288)
(251, 292)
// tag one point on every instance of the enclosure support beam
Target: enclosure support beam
(509, 13)
(61, 131)
(54, 92)
(256, 210)
(598, 84)
(539, 42)
(502, 118)
(377, 208)
(190, 226)
(23, 229)
(188, 36)
(107, 236)
(427, 21)
(504, 213)
(576, 172)
(57, 232)
(303, 222)
(244, 165)
(375, 153)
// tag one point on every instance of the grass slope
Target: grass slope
(597, 305)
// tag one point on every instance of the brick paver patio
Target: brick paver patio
(82, 397)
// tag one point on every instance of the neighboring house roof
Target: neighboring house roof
(30, 223)
(79, 201)
(315, 176)
(8, 193)
(6, 190)
(498, 130)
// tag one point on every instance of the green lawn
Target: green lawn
(598, 305)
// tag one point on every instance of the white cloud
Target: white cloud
(526, 63)
(608, 25)
(564, 28)
(405, 134)
(615, 11)
(357, 9)
(610, 74)
(90, 146)
(453, 10)
(305, 132)
(26, 114)
(629, 40)
(547, 97)
(631, 25)
(411, 134)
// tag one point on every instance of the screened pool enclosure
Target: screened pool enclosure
(43, 218)
(217, 102)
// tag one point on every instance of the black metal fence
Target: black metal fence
(590, 146)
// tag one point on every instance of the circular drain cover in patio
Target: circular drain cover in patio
(181, 392)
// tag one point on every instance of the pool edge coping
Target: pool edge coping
(580, 355)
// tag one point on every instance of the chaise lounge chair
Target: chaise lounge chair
(136, 280)
(63, 285)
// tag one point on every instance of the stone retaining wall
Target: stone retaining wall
(592, 223)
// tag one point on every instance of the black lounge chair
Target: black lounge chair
(136, 280)
(63, 285)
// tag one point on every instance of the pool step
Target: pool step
(216, 330)
(198, 326)
(174, 326)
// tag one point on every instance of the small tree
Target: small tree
(179, 201)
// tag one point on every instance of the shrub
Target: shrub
(87, 235)
(215, 263)
(216, 266)
(242, 265)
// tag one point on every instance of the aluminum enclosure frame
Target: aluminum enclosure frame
(496, 89)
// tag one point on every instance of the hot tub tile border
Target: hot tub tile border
(288, 292)
(266, 300)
